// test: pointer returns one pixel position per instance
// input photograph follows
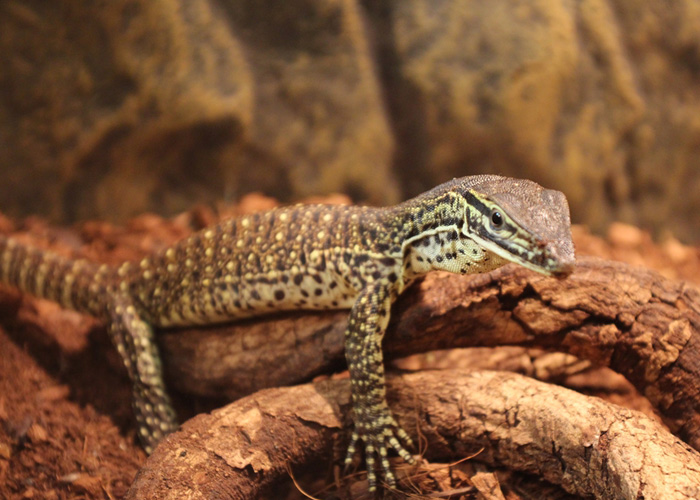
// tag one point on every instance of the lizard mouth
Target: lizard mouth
(550, 263)
(556, 269)
(546, 259)
(556, 259)
(561, 259)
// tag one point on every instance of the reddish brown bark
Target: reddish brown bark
(588, 446)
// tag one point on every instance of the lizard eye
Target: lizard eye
(496, 219)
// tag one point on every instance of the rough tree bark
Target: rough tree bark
(588, 446)
(630, 319)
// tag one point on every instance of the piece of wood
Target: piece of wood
(630, 319)
(586, 445)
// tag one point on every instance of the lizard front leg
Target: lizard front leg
(374, 424)
(133, 337)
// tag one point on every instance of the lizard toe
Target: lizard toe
(378, 443)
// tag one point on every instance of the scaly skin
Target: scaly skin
(305, 257)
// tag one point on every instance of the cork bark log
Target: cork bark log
(588, 446)
(630, 319)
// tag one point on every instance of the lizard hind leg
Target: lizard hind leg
(375, 426)
(134, 339)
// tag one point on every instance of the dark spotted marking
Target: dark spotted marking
(361, 259)
(387, 261)
(382, 247)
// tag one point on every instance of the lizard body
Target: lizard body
(305, 257)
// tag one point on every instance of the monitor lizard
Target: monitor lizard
(305, 257)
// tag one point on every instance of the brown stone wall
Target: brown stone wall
(599, 99)
(113, 108)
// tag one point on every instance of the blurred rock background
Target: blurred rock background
(113, 108)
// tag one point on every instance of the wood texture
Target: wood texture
(588, 446)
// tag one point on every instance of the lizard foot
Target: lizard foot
(379, 432)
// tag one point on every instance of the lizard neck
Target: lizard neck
(434, 234)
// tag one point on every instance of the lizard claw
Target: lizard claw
(381, 435)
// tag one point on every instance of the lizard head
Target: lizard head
(520, 221)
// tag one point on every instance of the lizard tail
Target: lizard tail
(74, 284)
